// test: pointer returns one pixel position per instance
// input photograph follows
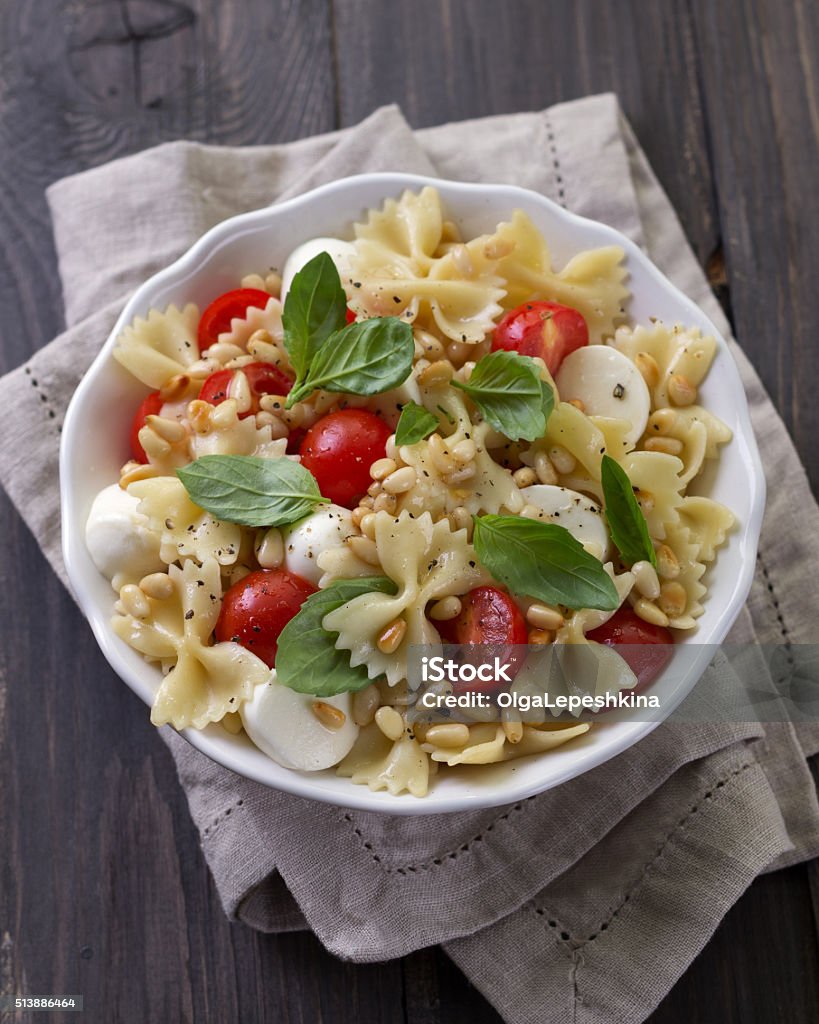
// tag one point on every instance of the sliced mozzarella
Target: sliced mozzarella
(327, 527)
(388, 404)
(118, 537)
(302, 254)
(579, 514)
(608, 384)
(282, 724)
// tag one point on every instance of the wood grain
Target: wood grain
(104, 890)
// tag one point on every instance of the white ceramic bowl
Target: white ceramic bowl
(90, 459)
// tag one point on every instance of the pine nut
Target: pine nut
(239, 389)
(202, 368)
(273, 284)
(294, 417)
(437, 373)
(450, 232)
(253, 281)
(133, 471)
(645, 499)
(445, 609)
(358, 514)
(460, 518)
(672, 599)
(134, 601)
(460, 476)
(199, 415)
(680, 390)
(239, 362)
(224, 415)
(682, 622)
(269, 548)
(382, 468)
(498, 248)
(158, 585)
(524, 477)
(329, 715)
(224, 351)
(232, 723)
(169, 430)
(562, 460)
(277, 429)
(540, 636)
(544, 469)
(649, 612)
(385, 503)
(531, 512)
(465, 451)
(645, 579)
(367, 525)
(541, 616)
(365, 704)
(400, 481)
(390, 639)
(175, 388)
(155, 447)
(577, 404)
(666, 445)
(365, 549)
(374, 489)
(264, 351)
(392, 449)
(458, 352)
(668, 565)
(366, 502)
(390, 723)
(430, 346)
(465, 371)
(444, 462)
(662, 422)
(262, 336)
(449, 735)
(649, 370)
(515, 503)
(513, 730)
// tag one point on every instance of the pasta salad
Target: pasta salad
(408, 438)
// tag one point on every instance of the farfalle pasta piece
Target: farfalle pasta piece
(658, 488)
(489, 489)
(381, 764)
(592, 282)
(255, 319)
(219, 430)
(396, 270)
(186, 530)
(160, 346)
(687, 551)
(427, 561)
(583, 620)
(205, 682)
(676, 350)
(699, 432)
(708, 524)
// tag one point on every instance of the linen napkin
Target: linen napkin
(541, 903)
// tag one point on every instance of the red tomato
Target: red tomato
(488, 616)
(350, 316)
(339, 450)
(263, 378)
(647, 648)
(544, 329)
(218, 316)
(256, 609)
(149, 406)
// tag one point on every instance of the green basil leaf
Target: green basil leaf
(307, 659)
(365, 358)
(507, 389)
(544, 561)
(250, 491)
(315, 308)
(414, 424)
(627, 523)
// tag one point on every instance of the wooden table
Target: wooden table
(104, 891)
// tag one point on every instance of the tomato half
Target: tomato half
(149, 406)
(350, 316)
(263, 378)
(644, 647)
(339, 450)
(221, 312)
(544, 329)
(256, 609)
(487, 616)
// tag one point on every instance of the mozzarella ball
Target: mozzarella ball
(282, 724)
(118, 537)
(574, 511)
(305, 540)
(302, 254)
(608, 384)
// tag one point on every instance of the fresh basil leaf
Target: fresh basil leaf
(627, 524)
(250, 491)
(307, 659)
(507, 389)
(414, 424)
(544, 561)
(315, 308)
(365, 358)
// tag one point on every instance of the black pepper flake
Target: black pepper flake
(189, 614)
(619, 391)
(472, 564)
(200, 583)
(396, 299)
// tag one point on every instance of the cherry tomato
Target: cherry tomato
(263, 378)
(218, 316)
(645, 648)
(339, 450)
(487, 616)
(544, 329)
(149, 406)
(350, 316)
(257, 608)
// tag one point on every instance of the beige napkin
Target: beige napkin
(585, 903)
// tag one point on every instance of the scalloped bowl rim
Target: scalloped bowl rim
(498, 785)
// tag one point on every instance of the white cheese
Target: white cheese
(302, 254)
(582, 517)
(304, 541)
(282, 724)
(608, 384)
(119, 539)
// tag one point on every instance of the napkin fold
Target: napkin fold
(541, 903)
